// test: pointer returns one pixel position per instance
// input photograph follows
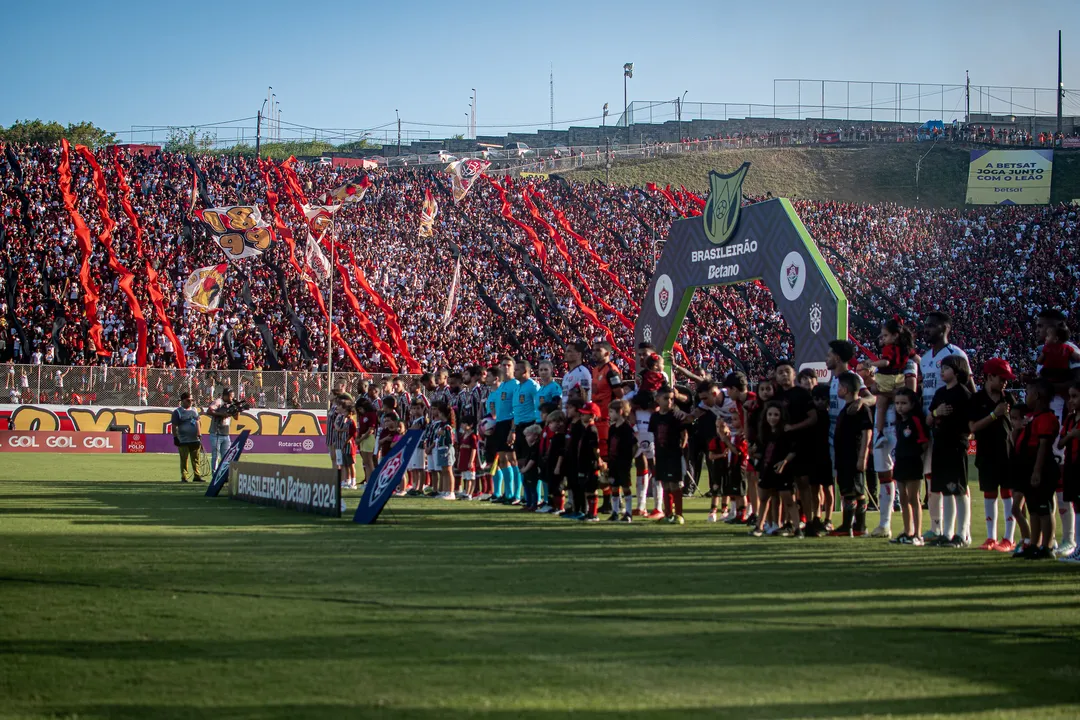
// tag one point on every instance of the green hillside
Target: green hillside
(872, 173)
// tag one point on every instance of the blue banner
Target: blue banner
(231, 455)
(385, 478)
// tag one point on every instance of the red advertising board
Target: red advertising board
(60, 441)
(828, 138)
(135, 443)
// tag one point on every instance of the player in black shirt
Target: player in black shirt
(948, 420)
(821, 477)
(622, 447)
(801, 417)
(851, 446)
(669, 436)
(989, 420)
(588, 459)
(912, 438)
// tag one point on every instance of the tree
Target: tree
(458, 136)
(357, 145)
(42, 133)
(188, 141)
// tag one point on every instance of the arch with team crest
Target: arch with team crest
(730, 244)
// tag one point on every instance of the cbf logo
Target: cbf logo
(664, 295)
(815, 318)
(386, 476)
(721, 214)
(646, 334)
(792, 275)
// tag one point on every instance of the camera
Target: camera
(236, 407)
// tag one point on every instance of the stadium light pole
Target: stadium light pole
(605, 115)
(627, 73)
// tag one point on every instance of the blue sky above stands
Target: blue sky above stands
(124, 63)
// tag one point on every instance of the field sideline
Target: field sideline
(126, 594)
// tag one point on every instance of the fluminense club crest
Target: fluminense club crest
(721, 214)
(792, 272)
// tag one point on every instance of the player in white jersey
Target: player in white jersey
(1052, 317)
(643, 405)
(578, 379)
(936, 329)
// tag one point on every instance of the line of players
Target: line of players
(771, 459)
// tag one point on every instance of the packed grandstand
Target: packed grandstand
(543, 261)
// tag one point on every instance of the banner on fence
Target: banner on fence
(304, 489)
(1009, 177)
(155, 420)
(255, 444)
(385, 478)
(59, 441)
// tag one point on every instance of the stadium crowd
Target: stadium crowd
(891, 260)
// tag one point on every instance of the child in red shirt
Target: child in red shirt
(466, 460)
(1056, 355)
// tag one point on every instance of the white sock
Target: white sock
(963, 516)
(659, 496)
(990, 505)
(642, 489)
(948, 516)
(627, 504)
(616, 504)
(886, 493)
(1076, 524)
(935, 512)
(1065, 510)
(1010, 521)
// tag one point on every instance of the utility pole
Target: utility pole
(1060, 91)
(628, 72)
(607, 162)
(551, 76)
(967, 97)
(472, 109)
(398, 132)
(258, 134)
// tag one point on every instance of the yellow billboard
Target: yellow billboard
(1009, 177)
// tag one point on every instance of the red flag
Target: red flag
(152, 285)
(126, 276)
(82, 235)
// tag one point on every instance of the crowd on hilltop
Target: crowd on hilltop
(993, 266)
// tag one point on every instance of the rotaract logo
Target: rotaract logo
(664, 295)
(386, 477)
(308, 444)
(793, 275)
(248, 445)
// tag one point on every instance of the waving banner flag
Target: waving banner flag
(320, 217)
(313, 256)
(451, 296)
(126, 277)
(82, 236)
(352, 191)
(202, 289)
(239, 230)
(157, 298)
(463, 173)
(428, 212)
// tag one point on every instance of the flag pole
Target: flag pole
(330, 320)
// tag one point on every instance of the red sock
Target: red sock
(593, 502)
(560, 502)
(677, 498)
(669, 503)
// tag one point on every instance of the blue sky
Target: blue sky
(123, 63)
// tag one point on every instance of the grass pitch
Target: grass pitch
(125, 594)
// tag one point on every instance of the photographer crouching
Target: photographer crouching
(222, 412)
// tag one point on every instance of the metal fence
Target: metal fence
(161, 387)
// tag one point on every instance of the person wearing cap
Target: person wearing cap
(589, 463)
(989, 421)
(186, 437)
